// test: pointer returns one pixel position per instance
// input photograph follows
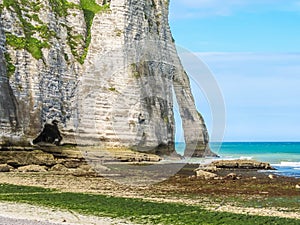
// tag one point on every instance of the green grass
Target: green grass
(14, 189)
(136, 210)
(290, 203)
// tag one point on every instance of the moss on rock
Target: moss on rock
(90, 8)
(27, 12)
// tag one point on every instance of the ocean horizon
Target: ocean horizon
(284, 156)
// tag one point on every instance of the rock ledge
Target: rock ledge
(242, 164)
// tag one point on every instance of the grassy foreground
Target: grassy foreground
(135, 210)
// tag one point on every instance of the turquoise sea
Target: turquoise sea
(284, 156)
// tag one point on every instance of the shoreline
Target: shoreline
(249, 192)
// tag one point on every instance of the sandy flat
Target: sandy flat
(25, 214)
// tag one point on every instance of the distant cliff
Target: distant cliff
(106, 70)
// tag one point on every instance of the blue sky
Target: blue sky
(252, 48)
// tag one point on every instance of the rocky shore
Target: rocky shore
(122, 165)
(227, 169)
(213, 186)
(66, 159)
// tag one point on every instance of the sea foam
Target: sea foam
(288, 164)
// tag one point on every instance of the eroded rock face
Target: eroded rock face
(96, 77)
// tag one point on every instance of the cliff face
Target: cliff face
(8, 110)
(106, 70)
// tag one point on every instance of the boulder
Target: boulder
(225, 164)
(5, 168)
(271, 176)
(73, 163)
(82, 172)
(100, 168)
(59, 168)
(208, 168)
(231, 176)
(204, 175)
(87, 167)
(128, 156)
(32, 168)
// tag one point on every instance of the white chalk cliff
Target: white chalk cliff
(107, 71)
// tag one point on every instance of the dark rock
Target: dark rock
(50, 134)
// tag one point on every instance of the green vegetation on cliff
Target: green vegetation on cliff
(36, 35)
(60, 7)
(32, 45)
(28, 42)
(10, 66)
(90, 8)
